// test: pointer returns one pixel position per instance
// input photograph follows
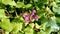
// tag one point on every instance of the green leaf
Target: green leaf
(6, 32)
(20, 5)
(9, 2)
(28, 5)
(6, 25)
(2, 13)
(48, 30)
(56, 10)
(35, 0)
(42, 1)
(41, 32)
(11, 11)
(59, 32)
(57, 1)
(52, 24)
(20, 32)
(37, 26)
(43, 26)
(0, 1)
(44, 20)
(58, 19)
(0, 24)
(31, 25)
(2, 6)
(28, 30)
(54, 4)
(17, 27)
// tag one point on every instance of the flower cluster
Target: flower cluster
(30, 17)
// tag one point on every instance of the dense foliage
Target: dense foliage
(29, 16)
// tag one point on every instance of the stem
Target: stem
(16, 13)
(7, 12)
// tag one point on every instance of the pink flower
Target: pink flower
(30, 17)
(26, 19)
(33, 11)
(36, 16)
(24, 15)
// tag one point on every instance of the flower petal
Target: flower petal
(36, 16)
(24, 15)
(33, 11)
(26, 19)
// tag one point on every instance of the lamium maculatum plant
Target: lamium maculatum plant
(29, 16)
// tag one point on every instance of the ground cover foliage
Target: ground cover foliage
(29, 16)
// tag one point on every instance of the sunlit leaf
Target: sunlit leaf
(17, 27)
(56, 10)
(9, 2)
(53, 25)
(41, 32)
(28, 5)
(28, 30)
(20, 4)
(6, 25)
(2, 13)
